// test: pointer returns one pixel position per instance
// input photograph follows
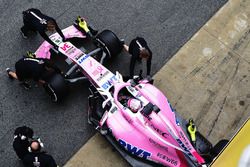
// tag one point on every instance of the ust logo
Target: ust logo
(109, 83)
(134, 150)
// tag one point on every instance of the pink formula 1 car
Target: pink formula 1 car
(134, 115)
(106, 44)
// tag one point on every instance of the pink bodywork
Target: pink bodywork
(44, 50)
(152, 137)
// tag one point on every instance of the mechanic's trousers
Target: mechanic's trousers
(27, 26)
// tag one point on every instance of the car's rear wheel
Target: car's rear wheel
(109, 42)
(56, 87)
(219, 147)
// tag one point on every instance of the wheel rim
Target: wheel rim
(52, 93)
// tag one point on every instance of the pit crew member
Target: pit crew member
(139, 50)
(22, 135)
(29, 67)
(35, 20)
(38, 158)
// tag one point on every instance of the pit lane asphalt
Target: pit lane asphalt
(165, 24)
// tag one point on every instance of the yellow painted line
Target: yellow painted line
(235, 150)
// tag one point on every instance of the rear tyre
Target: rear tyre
(56, 87)
(109, 42)
(219, 147)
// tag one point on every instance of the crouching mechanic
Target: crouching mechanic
(29, 67)
(35, 20)
(38, 158)
(22, 135)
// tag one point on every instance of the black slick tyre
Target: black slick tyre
(56, 87)
(109, 42)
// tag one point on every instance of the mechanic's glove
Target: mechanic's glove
(30, 54)
(22, 137)
(40, 142)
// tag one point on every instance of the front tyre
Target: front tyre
(56, 87)
(109, 42)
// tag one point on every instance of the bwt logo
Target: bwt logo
(184, 147)
(134, 150)
(81, 59)
(109, 83)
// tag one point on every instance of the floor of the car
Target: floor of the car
(131, 159)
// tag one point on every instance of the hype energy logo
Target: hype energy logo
(134, 150)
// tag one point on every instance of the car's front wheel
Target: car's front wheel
(56, 87)
(109, 42)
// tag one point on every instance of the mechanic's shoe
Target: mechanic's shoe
(8, 70)
(89, 121)
(25, 85)
(23, 34)
(104, 131)
(122, 41)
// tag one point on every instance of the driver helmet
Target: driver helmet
(134, 104)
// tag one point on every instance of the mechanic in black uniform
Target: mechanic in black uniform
(22, 135)
(35, 20)
(139, 50)
(30, 67)
(38, 158)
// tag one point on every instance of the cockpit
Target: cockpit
(129, 101)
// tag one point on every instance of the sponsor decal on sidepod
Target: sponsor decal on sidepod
(134, 150)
